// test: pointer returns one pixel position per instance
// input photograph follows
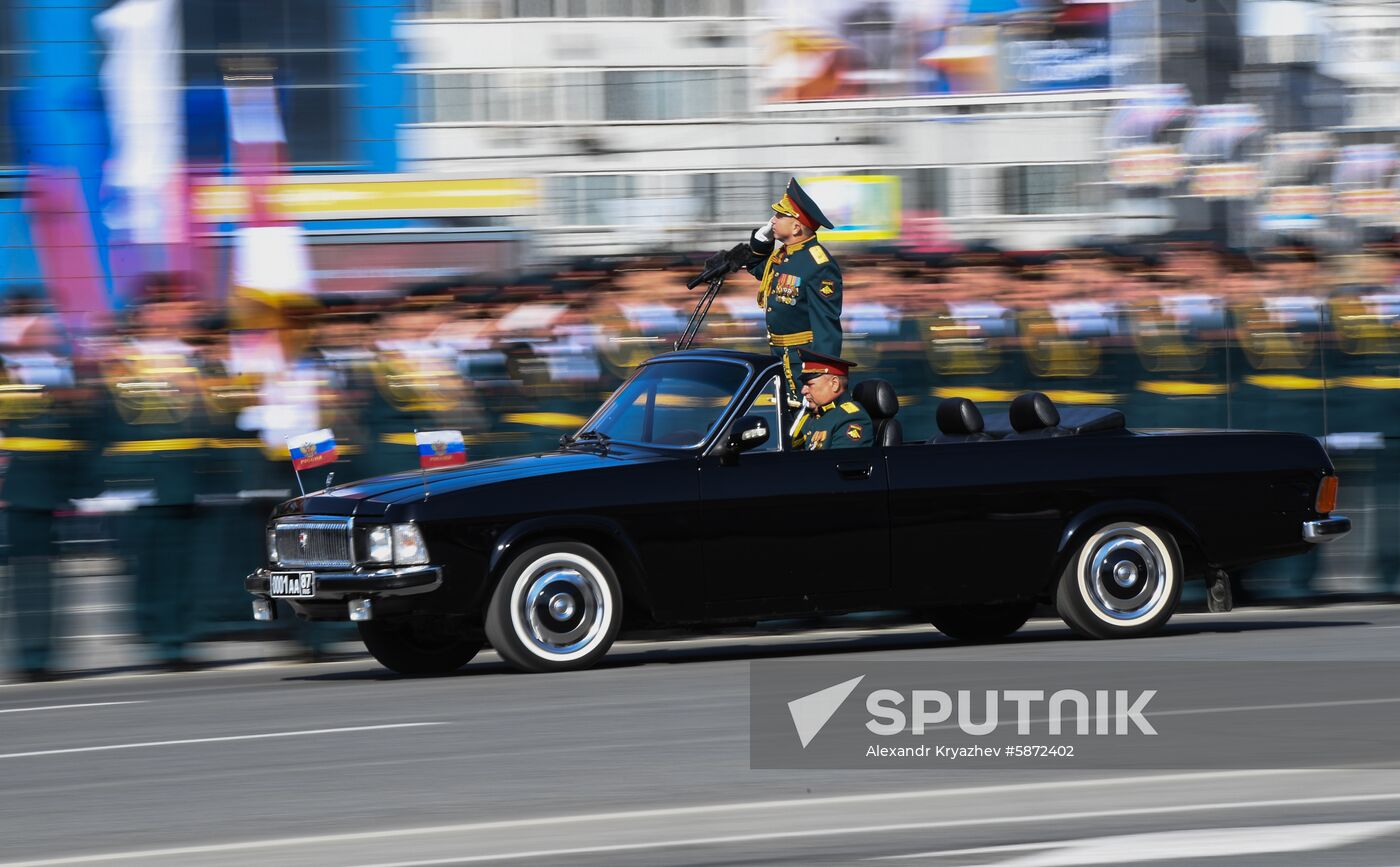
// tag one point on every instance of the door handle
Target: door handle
(854, 470)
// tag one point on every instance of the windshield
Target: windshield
(669, 403)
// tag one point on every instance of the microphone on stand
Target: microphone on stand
(722, 263)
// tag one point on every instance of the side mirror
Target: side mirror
(749, 432)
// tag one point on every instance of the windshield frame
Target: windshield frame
(720, 425)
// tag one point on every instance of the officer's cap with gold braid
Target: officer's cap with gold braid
(796, 203)
(816, 364)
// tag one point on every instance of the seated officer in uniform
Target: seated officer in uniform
(828, 422)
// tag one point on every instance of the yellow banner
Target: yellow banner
(861, 207)
(371, 197)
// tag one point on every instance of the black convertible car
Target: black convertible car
(679, 502)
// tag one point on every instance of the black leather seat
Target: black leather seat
(960, 421)
(879, 399)
(1034, 414)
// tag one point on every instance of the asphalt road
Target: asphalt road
(645, 760)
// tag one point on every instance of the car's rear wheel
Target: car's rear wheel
(980, 622)
(419, 645)
(1123, 582)
(558, 607)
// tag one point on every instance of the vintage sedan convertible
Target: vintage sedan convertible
(679, 502)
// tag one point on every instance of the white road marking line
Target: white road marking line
(872, 829)
(67, 706)
(1191, 844)
(262, 736)
(737, 806)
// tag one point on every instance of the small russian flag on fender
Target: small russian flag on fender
(440, 448)
(313, 449)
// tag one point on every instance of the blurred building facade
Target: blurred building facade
(339, 92)
(625, 125)
(647, 115)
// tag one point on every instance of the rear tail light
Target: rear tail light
(1327, 495)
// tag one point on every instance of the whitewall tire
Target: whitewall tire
(558, 607)
(1123, 582)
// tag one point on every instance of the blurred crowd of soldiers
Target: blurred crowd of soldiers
(167, 430)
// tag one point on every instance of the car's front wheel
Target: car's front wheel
(1123, 582)
(558, 607)
(975, 623)
(419, 645)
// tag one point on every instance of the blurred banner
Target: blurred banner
(1218, 145)
(1295, 208)
(1142, 136)
(349, 197)
(1298, 199)
(862, 207)
(141, 79)
(1363, 180)
(836, 49)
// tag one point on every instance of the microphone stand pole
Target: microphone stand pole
(697, 316)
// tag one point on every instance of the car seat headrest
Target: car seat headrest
(878, 397)
(958, 416)
(1033, 411)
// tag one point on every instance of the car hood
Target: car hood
(373, 496)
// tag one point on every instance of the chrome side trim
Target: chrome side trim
(1326, 529)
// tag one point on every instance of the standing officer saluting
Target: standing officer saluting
(829, 422)
(800, 293)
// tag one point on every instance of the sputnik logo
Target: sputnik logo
(811, 713)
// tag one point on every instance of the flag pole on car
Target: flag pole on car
(438, 448)
(311, 450)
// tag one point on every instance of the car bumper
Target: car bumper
(403, 581)
(1326, 529)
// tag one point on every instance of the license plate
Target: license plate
(291, 584)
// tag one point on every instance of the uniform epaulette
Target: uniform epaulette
(850, 406)
(819, 254)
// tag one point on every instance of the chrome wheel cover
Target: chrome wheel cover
(562, 605)
(1126, 573)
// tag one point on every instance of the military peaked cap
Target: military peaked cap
(816, 364)
(796, 203)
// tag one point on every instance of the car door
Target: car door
(792, 531)
(981, 521)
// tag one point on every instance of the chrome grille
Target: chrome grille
(314, 542)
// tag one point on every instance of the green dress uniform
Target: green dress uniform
(1280, 386)
(1073, 354)
(46, 465)
(234, 520)
(841, 424)
(156, 448)
(800, 295)
(1180, 344)
(408, 394)
(799, 289)
(1363, 393)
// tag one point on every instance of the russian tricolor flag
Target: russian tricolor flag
(440, 448)
(312, 449)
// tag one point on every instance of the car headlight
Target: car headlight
(400, 544)
(381, 545)
(409, 549)
(272, 546)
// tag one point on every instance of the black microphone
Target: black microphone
(722, 263)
